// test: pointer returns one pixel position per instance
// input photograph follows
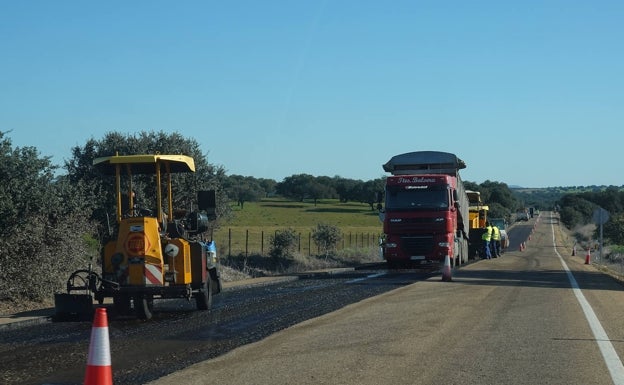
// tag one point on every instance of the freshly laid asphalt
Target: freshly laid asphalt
(24, 318)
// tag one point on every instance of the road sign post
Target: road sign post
(600, 217)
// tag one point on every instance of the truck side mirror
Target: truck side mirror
(207, 201)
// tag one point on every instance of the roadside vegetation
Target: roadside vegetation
(577, 213)
(54, 220)
(278, 236)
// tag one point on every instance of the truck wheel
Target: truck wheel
(143, 305)
(203, 298)
(121, 303)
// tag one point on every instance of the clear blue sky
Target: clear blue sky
(528, 93)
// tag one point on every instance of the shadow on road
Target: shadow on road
(587, 280)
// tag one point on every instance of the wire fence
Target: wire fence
(249, 241)
(611, 262)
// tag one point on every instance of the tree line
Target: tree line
(502, 201)
(300, 187)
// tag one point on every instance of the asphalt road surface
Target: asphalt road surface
(537, 316)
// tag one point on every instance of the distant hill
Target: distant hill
(567, 189)
(545, 198)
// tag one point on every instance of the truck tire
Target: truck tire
(144, 306)
(203, 298)
(122, 304)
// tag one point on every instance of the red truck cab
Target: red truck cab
(426, 211)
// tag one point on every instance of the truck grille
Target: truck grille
(417, 245)
(416, 225)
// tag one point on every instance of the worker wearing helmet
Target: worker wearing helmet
(487, 237)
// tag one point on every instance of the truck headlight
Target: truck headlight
(391, 245)
(444, 244)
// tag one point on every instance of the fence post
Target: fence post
(318, 248)
(246, 243)
(230, 242)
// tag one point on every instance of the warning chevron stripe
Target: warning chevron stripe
(153, 274)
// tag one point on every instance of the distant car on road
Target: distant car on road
(522, 216)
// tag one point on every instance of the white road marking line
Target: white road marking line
(365, 278)
(613, 362)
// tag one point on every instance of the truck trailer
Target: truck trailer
(425, 216)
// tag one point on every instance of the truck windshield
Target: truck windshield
(417, 198)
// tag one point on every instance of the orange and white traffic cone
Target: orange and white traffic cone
(588, 257)
(446, 270)
(99, 371)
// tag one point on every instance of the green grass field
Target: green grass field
(251, 227)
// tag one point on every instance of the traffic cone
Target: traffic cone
(99, 371)
(446, 270)
(588, 257)
(521, 248)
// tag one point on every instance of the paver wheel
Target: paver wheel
(204, 297)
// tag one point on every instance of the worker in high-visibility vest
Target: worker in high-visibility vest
(495, 242)
(487, 237)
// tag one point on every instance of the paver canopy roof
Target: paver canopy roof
(145, 164)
